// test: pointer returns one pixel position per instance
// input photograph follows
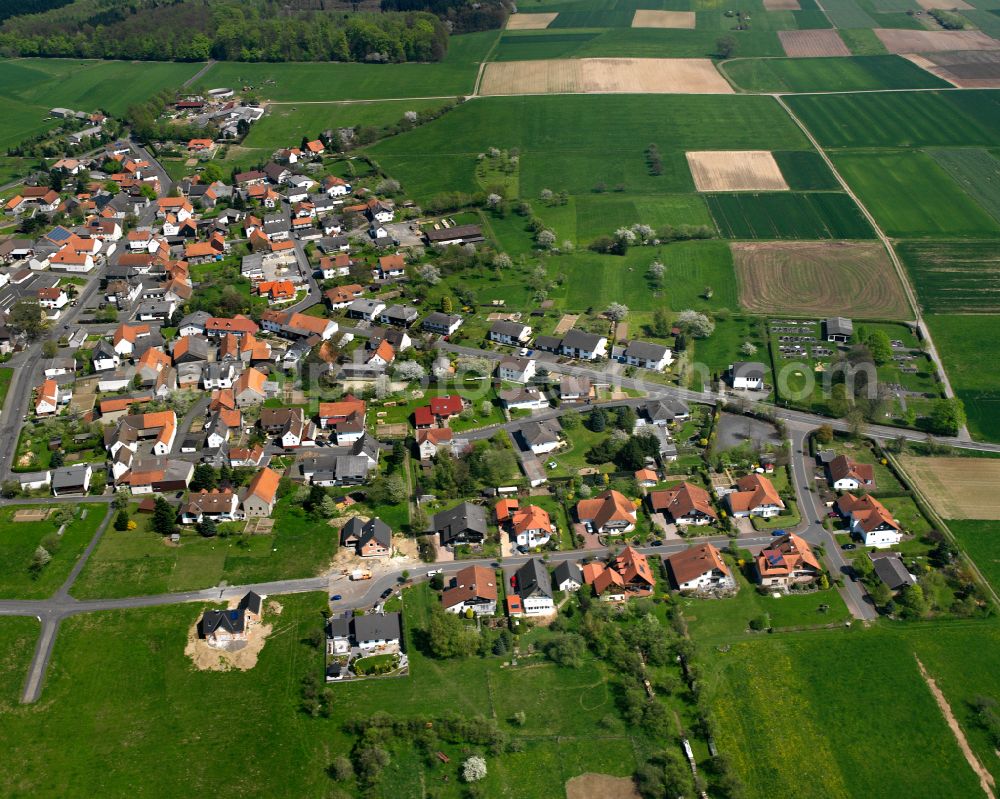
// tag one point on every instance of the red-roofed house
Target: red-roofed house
(438, 412)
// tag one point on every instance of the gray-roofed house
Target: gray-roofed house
(663, 411)
(399, 315)
(516, 370)
(441, 323)
(748, 375)
(541, 437)
(567, 576)
(371, 539)
(463, 524)
(890, 570)
(534, 589)
(548, 343)
(377, 631)
(583, 345)
(219, 627)
(505, 332)
(837, 329)
(71, 479)
(646, 355)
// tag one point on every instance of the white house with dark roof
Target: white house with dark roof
(583, 345)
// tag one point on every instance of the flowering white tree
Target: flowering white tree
(502, 261)
(625, 235)
(429, 273)
(695, 324)
(409, 370)
(643, 232)
(616, 312)
(410, 116)
(493, 201)
(545, 238)
(748, 348)
(474, 769)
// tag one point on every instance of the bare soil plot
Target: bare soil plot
(854, 279)
(972, 69)
(565, 324)
(813, 43)
(32, 514)
(910, 41)
(958, 488)
(600, 786)
(240, 655)
(947, 5)
(604, 76)
(782, 5)
(530, 22)
(665, 19)
(735, 170)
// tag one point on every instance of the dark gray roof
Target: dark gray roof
(441, 320)
(751, 370)
(581, 340)
(505, 328)
(251, 601)
(540, 432)
(451, 524)
(567, 570)
(377, 627)
(550, 343)
(838, 326)
(892, 572)
(665, 409)
(339, 628)
(645, 350)
(533, 580)
(231, 621)
(68, 477)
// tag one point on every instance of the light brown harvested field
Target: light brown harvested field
(782, 5)
(907, 41)
(601, 786)
(853, 279)
(813, 44)
(663, 19)
(975, 69)
(530, 22)
(958, 488)
(735, 170)
(604, 76)
(946, 5)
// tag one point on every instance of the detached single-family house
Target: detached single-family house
(541, 437)
(848, 475)
(463, 524)
(525, 399)
(870, 521)
(624, 576)
(528, 527)
(646, 355)
(371, 539)
(747, 375)
(531, 593)
(71, 479)
(516, 370)
(700, 570)
(220, 627)
(837, 329)
(786, 561)
(377, 631)
(684, 505)
(441, 323)
(755, 496)
(567, 576)
(219, 506)
(473, 588)
(611, 513)
(261, 494)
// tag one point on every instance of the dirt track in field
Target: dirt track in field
(600, 786)
(948, 5)
(663, 19)
(813, 44)
(958, 488)
(604, 76)
(782, 5)
(910, 41)
(853, 279)
(530, 22)
(985, 778)
(974, 69)
(735, 170)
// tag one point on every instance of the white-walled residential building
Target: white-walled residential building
(870, 521)
(516, 370)
(584, 346)
(700, 569)
(506, 332)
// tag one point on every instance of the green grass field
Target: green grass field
(441, 155)
(902, 119)
(862, 73)
(977, 171)
(17, 643)
(139, 562)
(157, 711)
(805, 170)
(965, 343)
(784, 215)
(301, 82)
(910, 195)
(19, 540)
(630, 43)
(954, 277)
(827, 699)
(89, 85)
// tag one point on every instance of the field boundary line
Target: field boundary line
(359, 101)
(887, 243)
(927, 508)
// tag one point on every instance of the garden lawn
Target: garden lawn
(816, 696)
(981, 542)
(719, 621)
(19, 540)
(910, 195)
(138, 561)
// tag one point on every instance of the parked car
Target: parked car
(387, 593)
(336, 598)
(849, 546)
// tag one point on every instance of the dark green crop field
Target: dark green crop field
(788, 216)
